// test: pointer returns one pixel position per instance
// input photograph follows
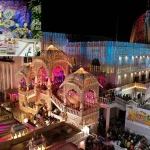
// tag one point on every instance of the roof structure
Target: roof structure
(81, 78)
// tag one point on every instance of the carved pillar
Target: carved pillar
(11, 77)
(7, 76)
(107, 118)
(5, 96)
(64, 93)
(35, 84)
(49, 93)
(27, 84)
(4, 80)
(64, 98)
(81, 102)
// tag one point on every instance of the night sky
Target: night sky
(92, 17)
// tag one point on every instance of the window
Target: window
(27, 59)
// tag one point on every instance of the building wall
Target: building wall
(123, 59)
(8, 71)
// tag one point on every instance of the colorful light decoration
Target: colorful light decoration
(15, 11)
(42, 75)
(108, 52)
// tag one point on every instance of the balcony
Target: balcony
(128, 68)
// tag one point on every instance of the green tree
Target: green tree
(35, 7)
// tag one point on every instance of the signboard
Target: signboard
(138, 115)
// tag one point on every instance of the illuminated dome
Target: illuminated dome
(81, 78)
(25, 71)
(52, 53)
(141, 29)
(137, 34)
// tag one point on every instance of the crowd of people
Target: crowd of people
(43, 119)
(94, 143)
(123, 138)
(125, 97)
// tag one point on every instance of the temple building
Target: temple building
(113, 63)
(47, 80)
(79, 79)
(84, 83)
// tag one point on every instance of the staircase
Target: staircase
(57, 103)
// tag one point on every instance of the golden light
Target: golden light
(140, 87)
(85, 130)
(23, 133)
(43, 147)
(15, 137)
(19, 135)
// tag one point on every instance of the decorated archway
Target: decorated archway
(73, 98)
(58, 75)
(42, 78)
(31, 79)
(90, 98)
(23, 84)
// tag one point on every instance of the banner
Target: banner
(138, 115)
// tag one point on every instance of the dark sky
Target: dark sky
(92, 17)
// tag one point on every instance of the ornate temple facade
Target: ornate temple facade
(115, 64)
(47, 80)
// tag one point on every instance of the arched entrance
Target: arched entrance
(58, 75)
(89, 99)
(73, 98)
(42, 78)
(23, 85)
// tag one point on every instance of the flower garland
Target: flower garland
(35, 7)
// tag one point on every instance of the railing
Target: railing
(22, 92)
(91, 110)
(44, 92)
(104, 100)
(43, 96)
(57, 103)
(29, 110)
(132, 101)
(127, 86)
(56, 116)
(75, 137)
(73, 111)
(120, 100)
(140, 85)
(128, 68)
(31, 92)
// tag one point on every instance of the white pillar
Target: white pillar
(7, 76)
(35, 84)
(81, 100)
(107, 118)
(4, 80)
(49, 83)
(11, 77)
(64, 93)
